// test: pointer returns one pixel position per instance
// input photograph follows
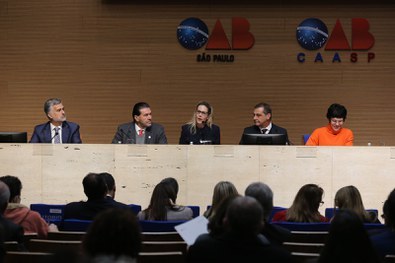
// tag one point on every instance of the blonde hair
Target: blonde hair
(209, 122)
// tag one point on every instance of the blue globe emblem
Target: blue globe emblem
(192, 33)
(312, 34)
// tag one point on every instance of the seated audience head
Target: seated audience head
(163, 197)
(305, 205)
(4, 197)
(222, 190)
(114, 233)
(347, 241)
(264, 195)
(336, 116)
(110, 182)
(244, 217)
(95, 186)
(389, 210)
(216, 221)
(15, 187)
(173, 183)
(348, 197)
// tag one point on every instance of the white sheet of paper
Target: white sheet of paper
(190, 230)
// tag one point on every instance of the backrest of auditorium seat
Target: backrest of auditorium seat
(330, 212)
(161, 236)
(156, 257)
(75, 225)
(308, 236)
(135, 208)
(159, 226)
(49, 212)
(31, 257)
(52, 246)
(303, 247)
(293, 226)
(164, 246)
(389, 259)
(66, 235)
(300, 257)
(195, 210)
(275, 210)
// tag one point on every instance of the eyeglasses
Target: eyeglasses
(201, 112)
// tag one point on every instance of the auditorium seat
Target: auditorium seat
(160, 257)
(66, 235)
(329, 212)
(75, 225)
(31, 257)
(306, 138)
(159, 226)
(293, 226)
(161, 236)
(164, 246)
(135, 208)
(300, 257)
(49, 212)
(195, 210)
(52, 246)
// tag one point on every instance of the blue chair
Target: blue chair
(275, 210)
(293, 226)
(50, 213)
(195, 210)
(159, 226)
(330, 212)
(135, 208)
(306, 138)
(75, 225)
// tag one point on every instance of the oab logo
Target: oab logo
(312, 34)
(193, 34)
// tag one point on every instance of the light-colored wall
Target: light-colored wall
(54, 173)
(102, 56)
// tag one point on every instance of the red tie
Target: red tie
(141, 132)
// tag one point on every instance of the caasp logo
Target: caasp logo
(193, 34)
(312, 34)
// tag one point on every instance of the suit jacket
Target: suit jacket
(70, 133)
(12, 232)
(126, 134)
(274, 130)
(89, 209)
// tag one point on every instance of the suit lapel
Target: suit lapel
(46, 133)
(131, 133)
(148, 135)
(65, 132)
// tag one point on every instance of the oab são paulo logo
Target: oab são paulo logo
(312, 34)
(193, 34)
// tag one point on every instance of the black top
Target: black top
(205, 135)
(274, 130)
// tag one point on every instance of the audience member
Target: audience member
(264, 195)
(347, 241)
(114, 236)
(263, 123)
(57, 129)
(110, 182)
(31, 221)
(304, 207)
(141, 130)
(242, 241)
(384, 241)
(201, 130)
(222, 190)
(333, 134)
(95, 189)
(12, 232)
(348, 197)
(173, 184)
(163, 205)
(215, 224)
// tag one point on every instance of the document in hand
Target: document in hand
(189, 231)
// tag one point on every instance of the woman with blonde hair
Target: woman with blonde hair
(305, 206)
(221, 191)
(348, 197)
(201, 130)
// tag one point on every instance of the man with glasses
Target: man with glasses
(142, 130)
(333, 134)
(263, 124)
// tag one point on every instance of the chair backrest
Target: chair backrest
(49, 212)
(300, 257)
(164, 246)
(308, 236)
(31, 257)
(303, 247)
(156, 257)
(195, 210)
(330, 212)
(161, 236)
(66, 235)
(275, 210)
(52, 246)
(306, 138)
(158, 226)
(293, 226)
(75, 225)
(11, 246)
(135, 208)
(389, 259)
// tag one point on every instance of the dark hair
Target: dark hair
(114, 232)
(163, 197)
(137, 107)
(95, 186)
(216, 221)
(336, 111)
(266, 108)
(347, 241)
(173, 183)
(14, 184)
(109, 179)
(244, 216)
(305, 205)
(263, 194)
(51, 102)
(4, 197)
(389, 210)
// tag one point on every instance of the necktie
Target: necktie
(141, 132)
(56, 139)
(263, 131)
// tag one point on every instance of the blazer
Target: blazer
(126, 134)
(205, 134)
(274, 130)
(70, 133)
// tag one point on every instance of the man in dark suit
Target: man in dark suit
(141, 130)
(95, 188)
(263, 123)
(57, 129)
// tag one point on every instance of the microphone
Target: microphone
(56, 134)
(128, 139)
